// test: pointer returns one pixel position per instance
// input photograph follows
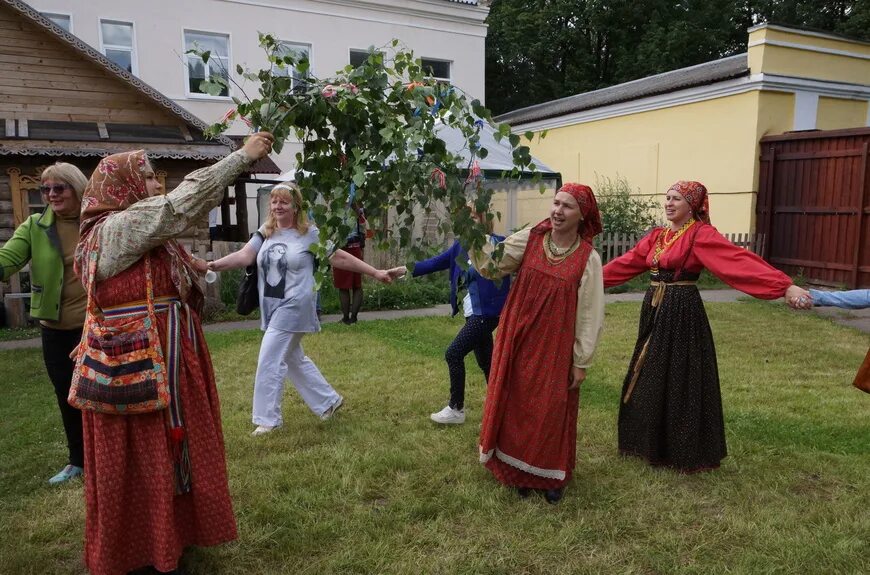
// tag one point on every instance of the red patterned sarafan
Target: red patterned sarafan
(695, 193)
(528, 434)
(134, 516)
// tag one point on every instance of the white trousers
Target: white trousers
(281, 356)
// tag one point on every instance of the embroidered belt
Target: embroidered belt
(657, 297)
(177, 434)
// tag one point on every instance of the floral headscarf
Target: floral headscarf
(696, 195)
(116, 184)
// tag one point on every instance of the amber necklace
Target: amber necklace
(663, 243)
(555, 254)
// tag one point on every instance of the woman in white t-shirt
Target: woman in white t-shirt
(285, 267)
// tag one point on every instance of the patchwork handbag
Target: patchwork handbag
(248, 298)
(120, 365)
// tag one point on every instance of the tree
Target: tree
(540, 50)
(369, 136)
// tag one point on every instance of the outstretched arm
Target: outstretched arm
(512, 256)
(238, 259)
(344, 261)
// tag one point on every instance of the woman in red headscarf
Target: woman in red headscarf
(156, 482)
(670, 411)
(547, 334)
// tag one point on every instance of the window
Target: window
(299, 52)
(116, 41)
(357, 57)
(438, 69)
(62, 20)
(218, 63)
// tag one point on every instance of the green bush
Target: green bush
(407, 293)
(621, 211)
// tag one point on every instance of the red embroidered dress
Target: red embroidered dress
(529, 432)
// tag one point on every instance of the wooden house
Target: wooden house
(61, 100)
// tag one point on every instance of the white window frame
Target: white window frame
(49, 13)
(230, 70)
(310, 47)
(439, 78)
(134, 54)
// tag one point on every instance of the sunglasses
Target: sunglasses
(57, 189)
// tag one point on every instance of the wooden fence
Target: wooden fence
(814, 205)
(612, 246)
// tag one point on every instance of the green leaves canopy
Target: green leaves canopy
(369, 135)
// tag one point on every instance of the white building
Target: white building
(150, 39)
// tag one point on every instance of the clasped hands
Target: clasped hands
(798, 298)
(388, 276)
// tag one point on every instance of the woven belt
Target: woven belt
(657, 297)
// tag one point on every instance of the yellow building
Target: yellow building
(704, 122)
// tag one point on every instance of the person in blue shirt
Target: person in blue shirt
(852, 299)
(481, 305)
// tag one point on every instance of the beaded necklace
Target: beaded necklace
(553, 253)
(663, 243)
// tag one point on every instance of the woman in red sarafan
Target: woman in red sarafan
(150, 493)
(547, 334)
(671, 408)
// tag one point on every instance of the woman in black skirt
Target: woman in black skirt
(671, 407)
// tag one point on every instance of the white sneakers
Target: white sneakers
(449, 416)
(332, 409)
(264, 429)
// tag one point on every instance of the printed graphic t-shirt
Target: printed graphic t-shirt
(285, 280)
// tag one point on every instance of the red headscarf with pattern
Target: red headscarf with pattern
(588, 207)
(116, 184)
(696, 195)
(590, 225)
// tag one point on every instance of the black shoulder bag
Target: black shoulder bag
(249, 298)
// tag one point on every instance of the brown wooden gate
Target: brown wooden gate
(814, 205)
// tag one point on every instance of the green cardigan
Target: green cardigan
(36, 240)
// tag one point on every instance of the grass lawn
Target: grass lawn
(380, 489)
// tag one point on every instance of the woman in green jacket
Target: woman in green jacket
(48, 240)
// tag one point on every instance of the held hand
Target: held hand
(258, 145)
(576, 377)
(383, 276)
(201, 266)
(397, 272)
(798, 298)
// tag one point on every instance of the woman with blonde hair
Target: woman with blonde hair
(48, 240)
(287, 316)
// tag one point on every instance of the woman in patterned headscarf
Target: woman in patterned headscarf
(547, 334)
(671, 407)
(155, 484)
